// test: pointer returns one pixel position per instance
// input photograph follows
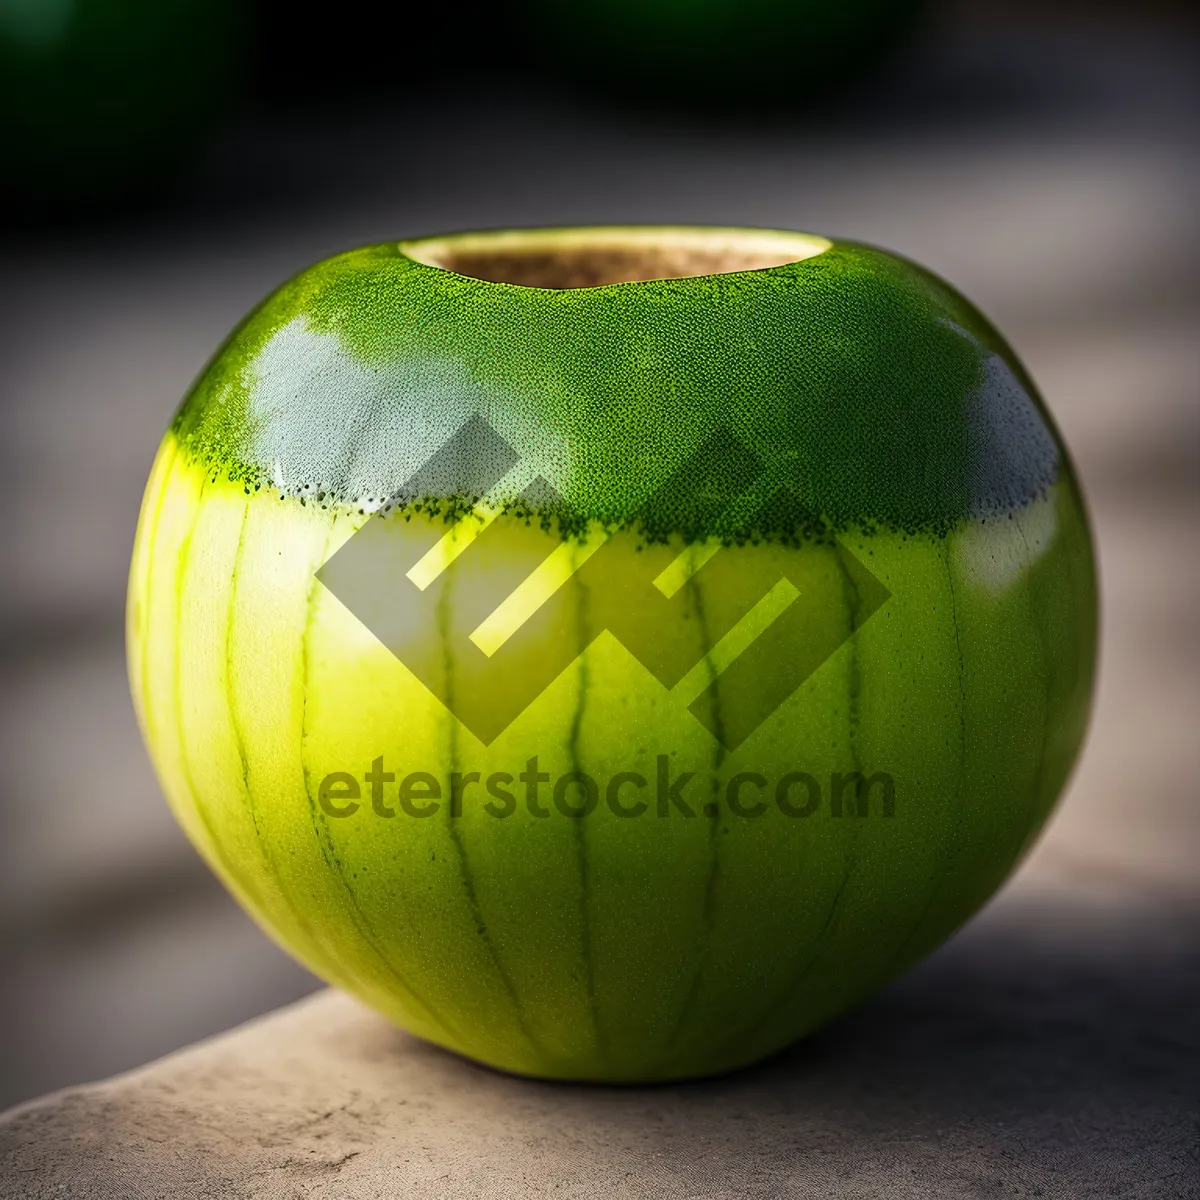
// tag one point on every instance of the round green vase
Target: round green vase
(612, 653)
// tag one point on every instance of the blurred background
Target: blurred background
(165, 163)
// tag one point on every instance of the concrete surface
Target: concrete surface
(1050, 1052)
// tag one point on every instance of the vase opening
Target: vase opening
(580, 258)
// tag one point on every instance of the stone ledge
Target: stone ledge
(1050, 1050)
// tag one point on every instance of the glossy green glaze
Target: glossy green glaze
(868, 387)
(911, 501)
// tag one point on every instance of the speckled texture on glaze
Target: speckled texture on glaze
(870, 390)
(906, 435)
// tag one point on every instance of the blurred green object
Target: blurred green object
(721, 52)
(103, 96)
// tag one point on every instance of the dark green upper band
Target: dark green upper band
(866, 391)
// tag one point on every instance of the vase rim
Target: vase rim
(576, 258)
